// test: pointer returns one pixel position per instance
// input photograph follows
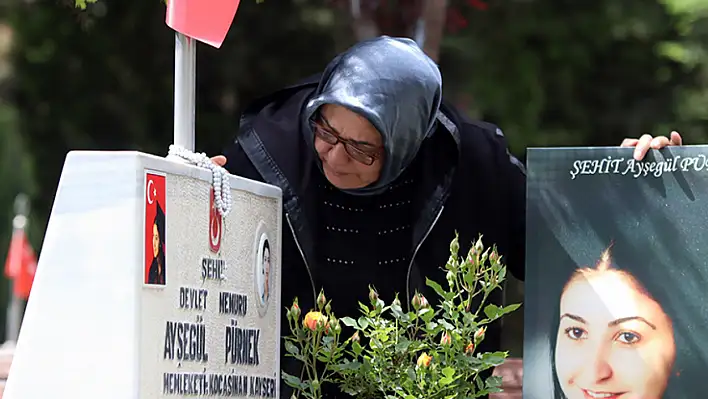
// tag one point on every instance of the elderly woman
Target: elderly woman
(378, 172)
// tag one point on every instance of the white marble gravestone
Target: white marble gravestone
(103, 322)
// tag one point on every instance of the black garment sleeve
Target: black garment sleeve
(513, 173)
(238, 163)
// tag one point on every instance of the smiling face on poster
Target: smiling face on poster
(625, 347)
(616, 274)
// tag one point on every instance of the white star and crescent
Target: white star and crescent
(151, 190)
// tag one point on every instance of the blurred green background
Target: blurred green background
(550, 73)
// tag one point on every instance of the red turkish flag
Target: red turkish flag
(21, 264)
(205, 20)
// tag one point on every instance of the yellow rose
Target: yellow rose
(424, 360)
(311, 320)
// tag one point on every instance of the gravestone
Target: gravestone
(144, 290)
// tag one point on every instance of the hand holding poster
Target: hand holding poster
(616, 274)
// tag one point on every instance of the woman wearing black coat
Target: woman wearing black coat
(378, 172)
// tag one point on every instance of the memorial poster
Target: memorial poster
(209, 317)
(616, 283)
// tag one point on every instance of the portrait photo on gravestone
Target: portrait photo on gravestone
(155, 228)
(615, 291)
(263, 270)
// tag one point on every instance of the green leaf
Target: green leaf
(448, 372)
(349, 366)
(491, 311)
(436, 287)
(446, 381)
(426, 314)
(493, 359)
(356, 347)
(494, 381)
(494, 312)
(291, 348)
(349, 322)
(446, 324)
(293, 381)
(510, 308)
(83, 3)
(363, 322)
(402, 345)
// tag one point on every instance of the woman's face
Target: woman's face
(266, 267)
(155, 240)
(339, 167)
(613, 341)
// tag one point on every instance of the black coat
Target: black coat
(472, 185)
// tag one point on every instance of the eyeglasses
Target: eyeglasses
(367, 157)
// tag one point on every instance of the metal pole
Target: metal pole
(185, 91)
(16, 306)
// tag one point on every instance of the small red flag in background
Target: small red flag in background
(21, 264)
(205, 20)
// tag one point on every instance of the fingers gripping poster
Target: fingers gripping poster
(617, 274)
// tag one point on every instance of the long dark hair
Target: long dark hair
(684, 380)
(159, 221)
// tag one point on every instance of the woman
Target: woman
(623, 332)
(156, 273)
(614, 339)
(378, 172)
(265, 271)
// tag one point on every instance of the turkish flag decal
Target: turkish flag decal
(155, 226)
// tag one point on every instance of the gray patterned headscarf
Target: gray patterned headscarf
(392, 83)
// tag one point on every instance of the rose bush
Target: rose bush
(422, 352)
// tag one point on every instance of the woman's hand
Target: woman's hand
(644, 143)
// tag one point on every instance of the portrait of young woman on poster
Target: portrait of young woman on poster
(623, 325)
(621, 346)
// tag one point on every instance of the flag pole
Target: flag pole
(15, 307)
(185, 91)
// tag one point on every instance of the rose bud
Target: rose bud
(321, 300)
(450, 278)
(478, 246)
(396, 302)
(469, 348)
(454, 246)
(416, 301)
(295, 310)
(373, 296)
(445, 339)
(479, 334)
(322, 322)
(424, 360)
(423, 302)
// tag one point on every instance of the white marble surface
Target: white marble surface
(89, 312)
